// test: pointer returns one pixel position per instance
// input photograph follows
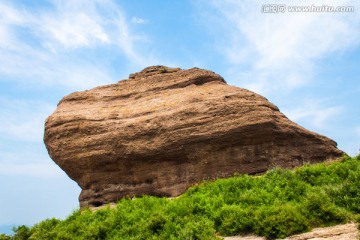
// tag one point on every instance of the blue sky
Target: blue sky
(308, 64)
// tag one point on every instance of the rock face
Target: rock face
(165, 129)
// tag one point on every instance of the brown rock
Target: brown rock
(339, 232)
(165, 129)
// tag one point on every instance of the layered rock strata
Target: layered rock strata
(165, 129)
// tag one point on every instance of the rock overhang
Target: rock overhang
(165, 129)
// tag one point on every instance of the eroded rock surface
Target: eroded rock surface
(339, 232)
(165, 129)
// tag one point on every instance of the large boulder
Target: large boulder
(165, 129)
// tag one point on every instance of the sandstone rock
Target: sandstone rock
(339, 232)
(165, 129)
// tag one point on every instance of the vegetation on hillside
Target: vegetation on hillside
(275, 205)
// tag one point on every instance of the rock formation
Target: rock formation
(165, 129)
(339, 232)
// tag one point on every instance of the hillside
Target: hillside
(275, 205)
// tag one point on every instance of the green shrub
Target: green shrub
(189, 227)
(233, 220)
(349, 193)
(156, 223)
(4, 237)
(280, 221)
(22, 232)
(321, 211)
(45, 229)
(277, 204)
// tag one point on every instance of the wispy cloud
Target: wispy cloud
(84, 33)
(28, 162)
(23, 120)
(83, 24)
(138, 20)
(47, 45)
(314, 113)
(280, 51)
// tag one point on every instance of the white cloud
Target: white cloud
(77, 24)
(281, 50)
(10, 18)
(137, 20)
(313, 113)
(23, 120)
(75, 30)
(46, 47)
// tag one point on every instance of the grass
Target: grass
(275, 205)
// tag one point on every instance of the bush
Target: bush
(4, 237)
(280, 221)
(189, 227)
(233, 220)
(22, 232)
(349, 193)
(321, 210)
(45, 229)
(277, 204)
(156, 223)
